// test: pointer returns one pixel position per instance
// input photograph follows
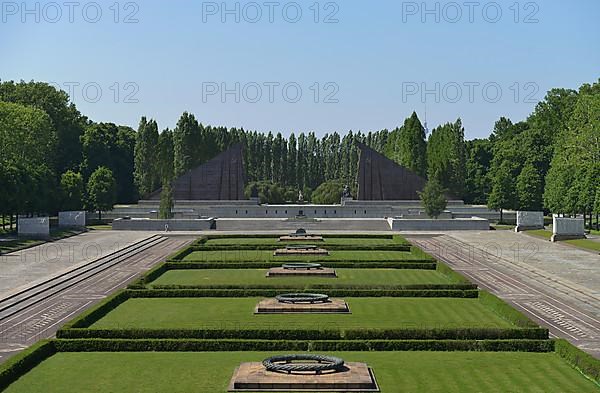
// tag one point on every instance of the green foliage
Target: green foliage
(72, 191)
(582, 361)
(433, 198)
(20, 364)
(186, 143)
(479, 156)
(146, 167)
(111, 146)
(406, 145)
(268, 192)
(166, 201)
(529, 188)
(329, 192)
(26, 136)
(66, 121)
(503, 194)
(101, 190)
(446, 157)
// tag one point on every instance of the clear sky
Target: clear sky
(359, 65)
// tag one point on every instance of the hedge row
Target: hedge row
(325, 334)
(179, 255)
(421, 265)
(584, 362)
(330, 247)
(506, 311)
(166, 345)
(324, 287)
(456, 293)
(17, 366)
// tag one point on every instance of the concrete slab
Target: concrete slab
(273, 306)
(21, 269)
(253, 377)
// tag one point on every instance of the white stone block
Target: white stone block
(71, 219)
(567, 228)
(34, 227)
(527, 220)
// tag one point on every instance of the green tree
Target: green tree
(146, 173)
(165, 155)
(479, 157)
(186, 139)
(166, 201)
(328, 192)
(406, 145)
(529, 188)
(66, 122)
(503, 193)
(72, 191)
(26, 135)
(446, 157)
(101, 190)
(433, 197)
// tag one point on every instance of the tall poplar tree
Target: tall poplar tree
(146, 174)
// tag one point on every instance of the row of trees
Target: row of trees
(50, 153)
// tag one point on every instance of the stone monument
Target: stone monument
(299, 269)
(302, 303)
(301, 249)
(567, 228)
(529, 221)
(73, 219)
(36, 227)
(303, 372)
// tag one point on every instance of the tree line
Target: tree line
(54, 158)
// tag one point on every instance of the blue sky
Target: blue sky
(358, 65)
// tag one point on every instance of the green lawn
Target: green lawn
(581, 243)
(256, 277)
(210, 372)
(267, 256)
(363, 241)
(238, 313)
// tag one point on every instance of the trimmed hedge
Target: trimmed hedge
(456, 293)
(21, 363)
(423, 265)
(582, 361)
(436, 345)
(330, 247)
(165, 345)
(451, 274)
(505, 310)
(313, 287)
(327, 334)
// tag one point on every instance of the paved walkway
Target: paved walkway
(556, 285)
(43, 318)
(21, 269)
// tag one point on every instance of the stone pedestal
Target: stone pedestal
(71, 219)
(320, 272)
(36, 227)
(301, 251)
(527, 221)
(305, 238)
(273, 306)
(567, 228)
(253, 377)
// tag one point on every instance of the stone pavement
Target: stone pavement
(41, 319)
(556, 285)
(24, 268)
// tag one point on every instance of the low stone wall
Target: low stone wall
(37, 227)
(527, 220)
(567, 228)
(71, 219)
(455, 224)
(145, 224)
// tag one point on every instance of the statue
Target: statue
(300, 197)
(346, 192)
